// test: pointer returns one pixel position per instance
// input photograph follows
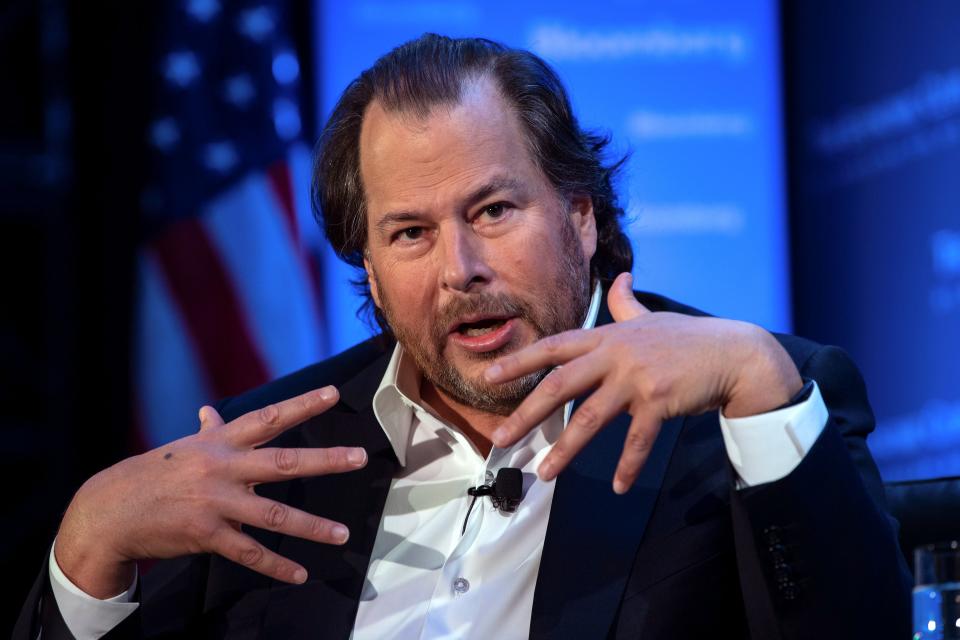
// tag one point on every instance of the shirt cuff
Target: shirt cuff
(767, 447)
(88, 618)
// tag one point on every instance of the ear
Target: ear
(371, 279)
(581, 215)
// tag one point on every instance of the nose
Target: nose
(464, 263)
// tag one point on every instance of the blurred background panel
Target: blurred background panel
(792, 164)
(874, 128)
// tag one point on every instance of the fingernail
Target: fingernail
(493, 372)
(619, 486)
(356, 456)
(328, 393)
(299, 576)
(546, 471)
(499, 437)
(340, 533)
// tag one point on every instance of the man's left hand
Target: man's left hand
(655, 366)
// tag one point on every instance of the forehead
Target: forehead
(422, 162)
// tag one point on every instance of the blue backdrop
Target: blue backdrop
(690, 87)
(875, 122)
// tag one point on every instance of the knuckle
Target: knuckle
(199, 529)
(287, 460)
(323, 459)
(587, 418)
(336, 458)
(276, 515)
(250, 555)
(519, 418)
(308, 400)
(319, 528)
(269, 415)
(638, 442)
(654, 387)
(551, 344)
(553, 384)
(560, 451)
(508, 362)
(204, 465)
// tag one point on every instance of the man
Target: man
(743, 499)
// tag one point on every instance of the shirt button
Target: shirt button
(461, 586)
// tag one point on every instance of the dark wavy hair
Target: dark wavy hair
(431, 71)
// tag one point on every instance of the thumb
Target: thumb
(623, 305)
(209, 418)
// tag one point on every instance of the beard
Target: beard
(555, 305)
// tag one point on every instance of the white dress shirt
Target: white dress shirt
(426, 579)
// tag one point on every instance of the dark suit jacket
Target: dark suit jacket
(681, 555)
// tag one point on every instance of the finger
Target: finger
(622, 303)
(594, 414)
(242, 549)
(560, 385)
(553, 350)
(209, 418)
(268, 514)
(636, 449)
(256, 427)
(281, 463)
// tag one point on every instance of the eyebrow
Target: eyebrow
(496, 184)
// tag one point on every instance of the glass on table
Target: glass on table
(936, 594)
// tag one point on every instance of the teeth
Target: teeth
(481, 328)
(472, 331)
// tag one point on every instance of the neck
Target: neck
(477, 425)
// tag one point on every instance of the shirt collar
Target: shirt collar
(397, 399)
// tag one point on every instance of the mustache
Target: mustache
(493, 304)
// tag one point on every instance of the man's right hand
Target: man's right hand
(192, 495)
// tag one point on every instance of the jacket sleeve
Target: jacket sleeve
(817, 550)
(174, 592)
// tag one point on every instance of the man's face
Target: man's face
(471, 253)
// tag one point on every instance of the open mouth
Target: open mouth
(480, 327)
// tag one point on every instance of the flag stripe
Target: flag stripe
(250, 234)
(278, 174)
(281, 181)
(170, 382)
(210, 310)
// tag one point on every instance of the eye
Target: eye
(409, 234)
(495, 210)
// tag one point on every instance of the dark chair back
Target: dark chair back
(928, 511)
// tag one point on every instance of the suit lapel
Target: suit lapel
(593, 534)
(326, 604)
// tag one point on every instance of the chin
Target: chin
(500, 399)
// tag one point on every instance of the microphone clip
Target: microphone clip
(505, 492)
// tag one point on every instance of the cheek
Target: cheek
(408, 289)
(529, 254)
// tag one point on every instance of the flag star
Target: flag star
(203, 10)
(257, 23)
(239, 90)
(165, 134)
(220, 157)
(285, 67)
(181, 68)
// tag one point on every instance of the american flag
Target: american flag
(228, 287)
